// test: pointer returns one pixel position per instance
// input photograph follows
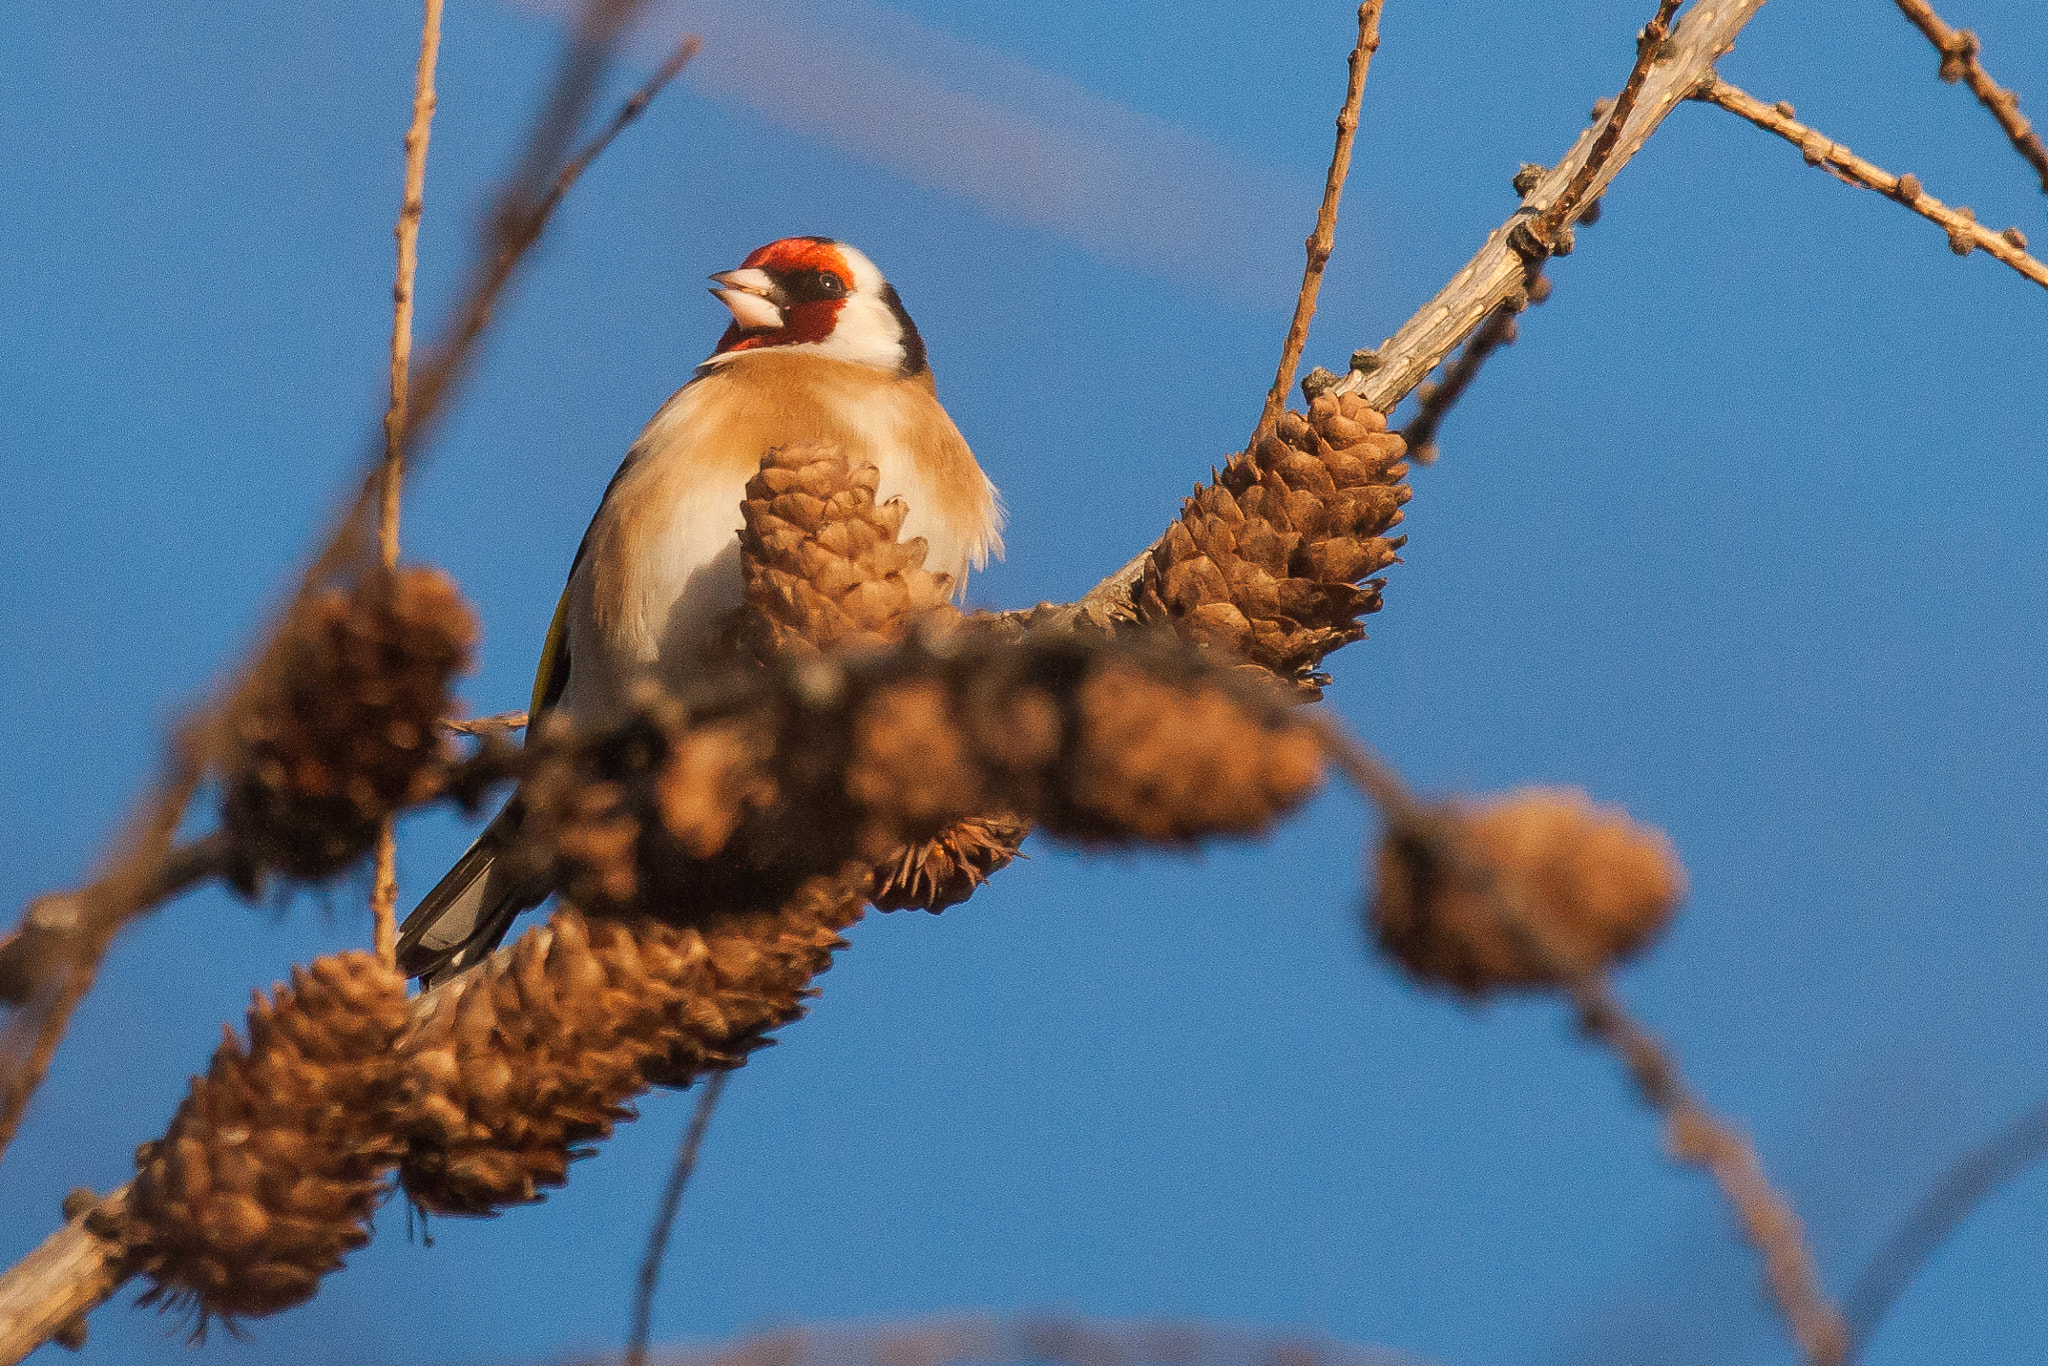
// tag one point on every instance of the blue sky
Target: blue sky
(1747, 534)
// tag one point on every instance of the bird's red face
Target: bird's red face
(818, 294)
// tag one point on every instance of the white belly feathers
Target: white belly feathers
(660, 564)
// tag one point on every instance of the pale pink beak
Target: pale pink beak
(753, 296)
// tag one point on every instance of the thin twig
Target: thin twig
(486, 725)
(1324, 237)
(1650, 49)
(1695, 1135)
(665, 1218)
(384, 890)
(1959, 49)
(1385, 375)
(136, 866)
(1965, 233)
(1976, 1176)
(92, 915)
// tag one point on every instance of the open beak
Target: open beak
(753, 296)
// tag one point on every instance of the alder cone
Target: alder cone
(932, 874)
(275, 1161)
(535, 1055)
(1272, 559)
(1132, 740)
(634, 821)
(345, 730)
(823, 565)
(1596, 885)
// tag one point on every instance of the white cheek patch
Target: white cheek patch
(751, 311)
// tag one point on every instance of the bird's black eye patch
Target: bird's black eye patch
(811, 285)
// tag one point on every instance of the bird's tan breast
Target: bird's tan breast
(662, 560)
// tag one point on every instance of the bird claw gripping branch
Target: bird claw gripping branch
(1271, 559)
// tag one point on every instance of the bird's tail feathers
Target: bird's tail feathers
(470, 908)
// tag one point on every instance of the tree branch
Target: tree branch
(1694, 1133)
(665, 1218)
(1959, 49)
(137, 868)
(1974, 1177)
(1965, 233)
(384, 890)
(1565, 209)
(1496, 274)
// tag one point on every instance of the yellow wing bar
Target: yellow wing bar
(553, 674)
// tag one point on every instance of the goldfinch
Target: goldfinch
(819, 349)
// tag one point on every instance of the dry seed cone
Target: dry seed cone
(1272, 560)
(1596, 885)
(1176, 761)
(823, 563)
(276, 1159)
(930, 875)
(522, 1064)
(638, 821)
(1097, 740)
(346, 730)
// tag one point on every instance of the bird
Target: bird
(819, 348)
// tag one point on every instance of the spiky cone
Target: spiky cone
(641, 820)
(519, 1066)
(945, 870)
(1590, 884)
(276, 1159)
(826, 569)
(926, 762)
(1103, 741)
(345, 729)
(822, 560)
(1272, 560)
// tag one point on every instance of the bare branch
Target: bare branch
(665, 1218)
(486, 725)
(1324, 237)
(1385, 376)
(137, 867)
(1965, 233)
(384, 891)
(1959, 49)
(1498, 272)
(78, 1268)
(1500, 329)
(1564, 210)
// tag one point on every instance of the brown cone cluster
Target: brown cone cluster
(275, 1161)
(930, 875)
(824, 568)
(346, 728)
(1594, 884)
(639, 820)
(1272, 559)
(1097, 740)
(523, 1063)
(926, 762)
